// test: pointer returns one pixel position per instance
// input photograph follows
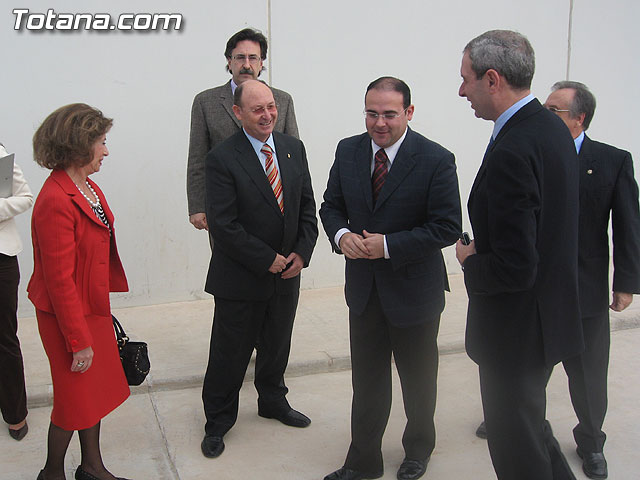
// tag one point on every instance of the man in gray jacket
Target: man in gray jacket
(213, 120)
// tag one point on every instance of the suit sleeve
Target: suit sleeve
(307, 221)
(514, 200)
(290, 124)
(54, 223)
(443, 219)
(625, 219)
(333, 210)
(222, 212)
(199, 144)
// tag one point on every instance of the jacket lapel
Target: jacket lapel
(247, 158)
(587, 161)
(482, 169)
(287, 172)
(363, 156)
(400, 168)
(103, 202)
(226, 100)
(65, 182)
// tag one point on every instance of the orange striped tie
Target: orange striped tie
(273, 176)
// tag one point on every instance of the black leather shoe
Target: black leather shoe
(348, 474)
(82, 474)
(292, 418)
(412, 469)
(20, 433)
(594, 465)
(212, 446)
(481, 431)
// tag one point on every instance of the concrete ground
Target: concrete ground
(156, 433)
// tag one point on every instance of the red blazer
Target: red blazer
(76, 262)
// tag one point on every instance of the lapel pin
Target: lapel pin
(288, 155)
(589, 172)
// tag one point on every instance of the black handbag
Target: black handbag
(134, 356)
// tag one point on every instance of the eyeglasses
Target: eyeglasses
(371, 115)
(260, 109)
(242, 58)
(555, 110)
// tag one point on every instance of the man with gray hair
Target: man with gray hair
(607, 189)
(521, 269)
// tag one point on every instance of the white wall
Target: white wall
(324, 54)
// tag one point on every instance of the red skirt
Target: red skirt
(80, 400)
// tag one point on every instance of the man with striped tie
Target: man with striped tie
(391, 204)
(261, 211)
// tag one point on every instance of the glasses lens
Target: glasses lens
(242, 58)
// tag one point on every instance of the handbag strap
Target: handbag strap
(121, 336)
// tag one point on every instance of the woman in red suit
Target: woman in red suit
(76, 265)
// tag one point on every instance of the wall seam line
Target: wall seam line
(569, 39)
(269, 40)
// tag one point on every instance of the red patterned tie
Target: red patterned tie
(379, 173)
(273, 176)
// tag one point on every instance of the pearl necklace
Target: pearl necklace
(93, 204)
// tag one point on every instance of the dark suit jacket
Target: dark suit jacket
(245, 220)
(419, 211)
(607, 188)
(212, 121)
(523, 281)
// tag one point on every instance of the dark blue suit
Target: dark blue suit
(607, 189)
(522, 284)
(394, 304)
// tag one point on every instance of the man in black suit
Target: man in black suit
(262, 217)
(521, 269)
(391, 205)
(607, 188)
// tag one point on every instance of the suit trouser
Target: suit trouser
(587, 374)
(13, 395)
(415, 350)
(237, 325)
(521, 443)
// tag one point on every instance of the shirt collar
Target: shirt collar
(508, 113)
(391, 150)
(233, 87)
(578, 141)
(257, 144)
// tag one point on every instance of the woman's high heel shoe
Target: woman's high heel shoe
(20, 433)
(82, 474)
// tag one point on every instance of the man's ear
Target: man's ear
(236, 110)
(493, 77)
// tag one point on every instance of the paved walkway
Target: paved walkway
(156, 434)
